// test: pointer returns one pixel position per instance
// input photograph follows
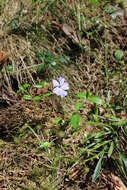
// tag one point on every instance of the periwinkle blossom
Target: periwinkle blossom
(60, 87)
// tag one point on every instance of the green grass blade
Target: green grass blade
(97, 170)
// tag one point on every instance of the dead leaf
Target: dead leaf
(42, 90)
(27, 111)
(89, 129)
(74, 172)
(3, 59)
(71, 33)
(122, 115)
(68, 30)
(3, 56)
(117, 183)
(125, 13)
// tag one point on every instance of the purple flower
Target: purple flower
(60, 87)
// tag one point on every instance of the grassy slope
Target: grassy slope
(27, 30)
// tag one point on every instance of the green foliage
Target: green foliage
(78, 105)
(10, 69)
(1, 143)
(36, 98)
(14, 24)
(119, 55)
(107, 138)
(96, 100)
(49, 60)
(105, 141)
(111, 133)
(81, 95)
(45, 145)
(36, 1)
(110, 9)
(123, 161)
(111, 149)
(23, 89)
(75, 121)
(41, 84)
(97, 170)
(40, 68)
(94, 2)
(27, 97)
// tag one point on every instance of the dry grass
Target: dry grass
(23, 165)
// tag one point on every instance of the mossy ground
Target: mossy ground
(82, 39)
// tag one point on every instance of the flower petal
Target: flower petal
(65, 86)
(60, 92)
(63, 93)
(57, 91)
(55, 83)
(61, 80)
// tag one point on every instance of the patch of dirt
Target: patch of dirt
(14, 117)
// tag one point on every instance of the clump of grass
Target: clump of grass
(109, 141)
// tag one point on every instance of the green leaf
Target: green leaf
(47, 94)
(1, 143)
(108, 99)
(40, 68)
(27, 97)
(23, 88)
(96, 100)
(124, 159)
(62, 59)
(99, 134)
(75, 120)
(35, 134)
(110, 10)
(26, 86)
(81, 95)
(123, 162)
(38, 86)
(78, 106)
(94, 2)
(111, 149)
(97, 170)
(58, 121)
(34, 1)
(120, 123)
(41, 84)
(37, 98)
(45, 145)
(125, 130)
(119, 55)
(10, 68)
